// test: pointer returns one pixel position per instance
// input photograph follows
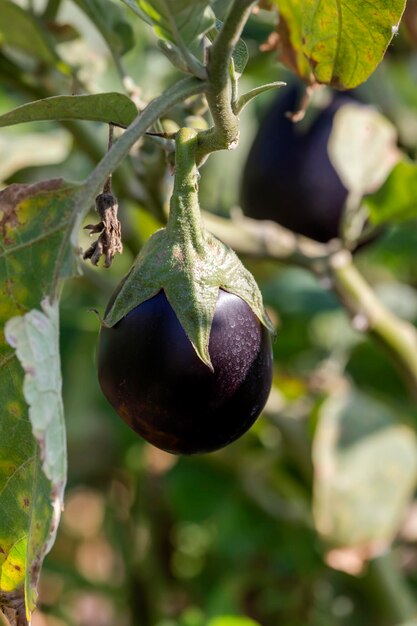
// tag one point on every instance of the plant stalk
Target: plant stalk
(184, 222)
(398, 337)
(225, 132)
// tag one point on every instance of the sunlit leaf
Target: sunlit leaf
(345, 40)
(337, 42)
(115, 108)
(396, 200)
(365, 464)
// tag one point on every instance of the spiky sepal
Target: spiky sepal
(187, 262)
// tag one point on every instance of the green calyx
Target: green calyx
(187, 262)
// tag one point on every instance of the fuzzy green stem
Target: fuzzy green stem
(225, 132)
(184, 221)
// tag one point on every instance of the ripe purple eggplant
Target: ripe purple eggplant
(151, 374)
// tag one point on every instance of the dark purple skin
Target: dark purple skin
(288, 176)
(152, 376)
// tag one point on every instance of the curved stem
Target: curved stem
(225, 132)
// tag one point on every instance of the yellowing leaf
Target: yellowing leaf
(35, 254)
(345, 40)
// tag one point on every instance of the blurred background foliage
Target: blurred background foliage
(260, 532)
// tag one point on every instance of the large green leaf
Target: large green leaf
(35, 254)
(396, 200)
(342, 41)
(365, 464)
(115, 108)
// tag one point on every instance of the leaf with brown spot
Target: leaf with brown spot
(35, 255)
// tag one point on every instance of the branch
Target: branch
(265, 239)
(225, 132)
(398, 337)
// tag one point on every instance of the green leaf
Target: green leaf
(36, 223)
(336, 42)
(345, 40)
(365, 462)
(396, 200)
(21, 29)
(249, 95)
(110, 21)
(182, 22)
(115, 108)
(240, 58)
(240, 55)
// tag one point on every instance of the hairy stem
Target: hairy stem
(225, 132)
(184, 221)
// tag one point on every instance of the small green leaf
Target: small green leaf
(249, 95)
(345, 40)
(21, 29)
(114, 108)
(240, 57)
(111, 23)
(365, 462)
(396, 200)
